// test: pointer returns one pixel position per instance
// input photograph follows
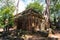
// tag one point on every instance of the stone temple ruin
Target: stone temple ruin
(30, 20)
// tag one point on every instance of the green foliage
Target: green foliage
(6, 12)
(54, 10)
(55, 6)
(36, 6)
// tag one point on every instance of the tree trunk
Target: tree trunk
(17, 7)
(47, 14)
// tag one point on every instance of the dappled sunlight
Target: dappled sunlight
(54, 35)
(29, 19)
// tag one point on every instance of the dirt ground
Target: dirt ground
(56, 35)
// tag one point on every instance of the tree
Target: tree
(17, 6)
(54, 9)
(6, 12)
(36, 6)
(46, 14)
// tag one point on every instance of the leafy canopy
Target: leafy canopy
(6, 12)
(36, 6)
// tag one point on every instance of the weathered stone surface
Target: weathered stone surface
(43, 38)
